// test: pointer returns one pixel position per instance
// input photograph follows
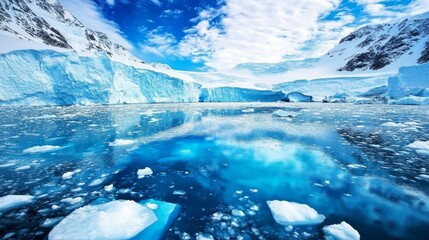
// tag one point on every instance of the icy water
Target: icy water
(349, 162)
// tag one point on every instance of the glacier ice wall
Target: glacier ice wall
(232, 94)
(410, 81)
(46, 77)
(32, 77)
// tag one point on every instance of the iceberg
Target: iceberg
(410, 81)
(294, 214)
(298, 97)
(10, 202)
(342, 231)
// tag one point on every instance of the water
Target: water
(349, 162)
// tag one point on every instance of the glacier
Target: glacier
(46, 77)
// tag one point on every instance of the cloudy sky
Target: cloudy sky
(206, 35)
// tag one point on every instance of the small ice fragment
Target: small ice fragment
(204, 236)
(14, 201)
(108, 188)
(121, 142)
(113, 220)
(421, 147)
(342, 231)
(254, 190)
(248, 110)
(96, 182)
(68, 175)
(283, 114)
(239, 192)
(355, 166)
(55, 207)
(254, 208)
(72, 201)
(392, 124)
(179, 192)
(424, 176)
(289, 228)
(217, 216)
(144, 172)
(41, 149)
(237, 213)
(50, 222)
(26, 167)
(294, 214)
(8, 164)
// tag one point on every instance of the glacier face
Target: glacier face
(410, 81)
(232, 94)
(46, 77)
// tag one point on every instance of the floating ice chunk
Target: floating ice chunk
(14, 201)
(144, 172)
(421, 147)
(113, 220)
(342, 231)
(248, 110)
(237, 213)
(423, 177)
(50, 222)
(26, 167)
(96, 182)
(8, 164)
(294, 214)
(68, 175)
(284, 114)
(41, 149)
(204, 236)
(122, 142)
(392, 124)
(72, 201)
(179, 192)
(108, 188)
(355, 166)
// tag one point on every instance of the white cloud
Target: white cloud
(261, 31)
(87, 12)
(156, 2)
(158, 42)
(171, 13)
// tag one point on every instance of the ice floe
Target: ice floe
(41, 149)
(294, 214)
(421, 147)
(118, 219)
(144, 172)
(342, 231)
(121, 142)
(14, 201)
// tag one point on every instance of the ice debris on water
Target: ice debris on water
(144, 172)
(41, 149)
(14, 201)
(421, 147)
(342, 231)
(294, 214)
(121, 142)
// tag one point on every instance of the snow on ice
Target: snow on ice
(342, 231)
(14, 201)
(294, 214)
(144, 172)
(41, 149)
(118, 219)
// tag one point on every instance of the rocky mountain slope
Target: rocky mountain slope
(48, 22)
(389, 45)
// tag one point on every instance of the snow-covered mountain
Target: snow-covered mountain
(383, 46)
(47, 23)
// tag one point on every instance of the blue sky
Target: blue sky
(218, 34)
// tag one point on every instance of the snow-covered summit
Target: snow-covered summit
(384, 46)
(46, 24)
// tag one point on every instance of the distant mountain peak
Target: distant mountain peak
(48, 22)
(375, 47)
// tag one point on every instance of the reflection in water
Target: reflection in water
(215, 159)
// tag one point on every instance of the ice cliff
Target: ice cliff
(45, 77)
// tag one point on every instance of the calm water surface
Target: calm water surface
(349, 162)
